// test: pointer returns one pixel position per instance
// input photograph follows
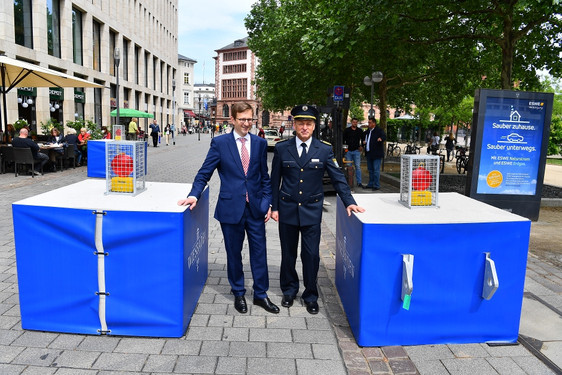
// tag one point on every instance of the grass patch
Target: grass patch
(554, 161)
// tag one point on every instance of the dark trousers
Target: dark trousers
(310, 257)
(233, 240)
(154, 139)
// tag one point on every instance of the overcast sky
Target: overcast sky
(205, 26)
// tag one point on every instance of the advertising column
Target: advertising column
(509, 143)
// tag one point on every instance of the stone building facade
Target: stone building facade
(80, 38)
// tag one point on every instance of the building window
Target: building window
(137, 62)
(238, 55)
(238, 68)
(112, 39)
(77, 37)
(186, 97)
(53, 27)
(96, 45)
(146, 58)
(22, 20)
(97, 106)
(186, 78)
(154, 66)
(125, 59)
(225, 111)
(234, 88)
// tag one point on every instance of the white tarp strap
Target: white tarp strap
(101, 271)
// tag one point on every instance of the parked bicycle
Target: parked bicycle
(392, 149)
(412, 148)
(462, 159)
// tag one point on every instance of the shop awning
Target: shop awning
(188, 113)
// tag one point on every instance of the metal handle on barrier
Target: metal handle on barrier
(491, 282)
(407, 279)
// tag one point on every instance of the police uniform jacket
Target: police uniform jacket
(297, 189)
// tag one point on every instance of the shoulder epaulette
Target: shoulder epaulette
(325, 142)
(283, 140)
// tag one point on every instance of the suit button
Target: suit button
(300, 192)
(301, 181)
(300, 204)
(302, 170)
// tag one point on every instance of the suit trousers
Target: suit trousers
(234, 235)
(310, 257)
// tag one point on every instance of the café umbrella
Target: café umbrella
(16, 73)
(129, 112)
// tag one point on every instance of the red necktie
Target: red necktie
(245, 159)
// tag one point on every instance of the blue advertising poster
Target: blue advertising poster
(511, 146)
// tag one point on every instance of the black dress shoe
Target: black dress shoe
(312, 307)
(287, 301)
(240, 304)
(267, 305)
(361, 186)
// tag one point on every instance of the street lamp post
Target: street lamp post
(174, 109)
(199, 125)
(117, 59)
(370, 81)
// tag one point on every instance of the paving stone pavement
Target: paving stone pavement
(219, 340)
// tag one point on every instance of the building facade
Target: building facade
(186, 87)
(133, 42)
(204, 97)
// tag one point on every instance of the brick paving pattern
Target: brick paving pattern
(219, 340)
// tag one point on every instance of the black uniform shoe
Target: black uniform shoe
(240, 304)
(312, 307)
(267, 305)
(287, 301)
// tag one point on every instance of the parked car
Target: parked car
(272, 137)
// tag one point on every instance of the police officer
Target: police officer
(296, 178)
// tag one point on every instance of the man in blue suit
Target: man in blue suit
(296, 177)
(243, 205)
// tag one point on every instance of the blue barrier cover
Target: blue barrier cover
(154, 269)
(448, 272)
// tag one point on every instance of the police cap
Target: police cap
(301, 112)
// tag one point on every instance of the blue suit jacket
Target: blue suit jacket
(298, 192)
(224, 157)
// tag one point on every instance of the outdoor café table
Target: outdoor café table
(110, 263)
(422, 275)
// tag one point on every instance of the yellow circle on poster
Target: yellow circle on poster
(494, 179)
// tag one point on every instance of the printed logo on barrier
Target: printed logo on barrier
(200, 239)
(345, 258)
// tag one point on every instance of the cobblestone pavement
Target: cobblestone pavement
(221, 341)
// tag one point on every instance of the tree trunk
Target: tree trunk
(382, 104)
(507, 52)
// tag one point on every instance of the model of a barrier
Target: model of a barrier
(453, 274)
(96, 157)
(93, 263)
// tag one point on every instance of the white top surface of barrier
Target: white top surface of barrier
(453, 208)
(90, 194)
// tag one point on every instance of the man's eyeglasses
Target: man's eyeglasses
(249, 120)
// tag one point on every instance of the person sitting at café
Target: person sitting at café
(106, 134)
(55, 138)
(9, 134)
(72, 139)
(83, 141)
(24, 142)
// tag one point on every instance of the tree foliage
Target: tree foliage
(433, 53)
